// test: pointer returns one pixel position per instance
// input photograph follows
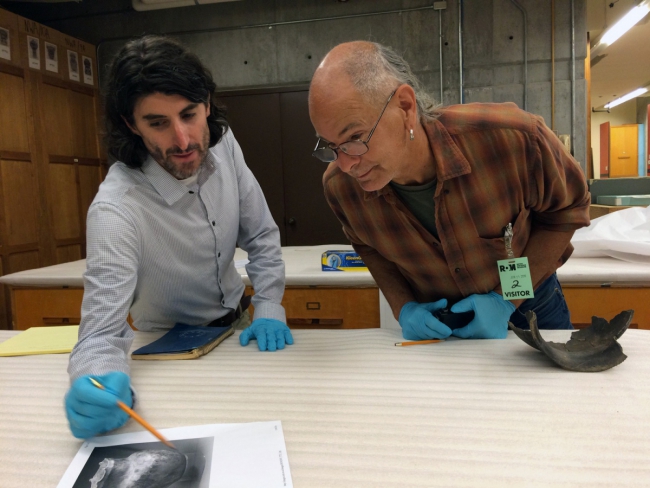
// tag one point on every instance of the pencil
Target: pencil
(134, 415)
(415, 343)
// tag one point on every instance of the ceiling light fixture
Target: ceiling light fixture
(625, 98)
(628, 21)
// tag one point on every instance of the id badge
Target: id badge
(514, 273)
(515, 279)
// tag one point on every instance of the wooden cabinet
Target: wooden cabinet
(50, 165)
(306, 307)
(321, 307)
(36, 307)
(619, 146)
(623, 151)
(606, 302)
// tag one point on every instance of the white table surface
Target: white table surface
(358, 412)
(303, 267)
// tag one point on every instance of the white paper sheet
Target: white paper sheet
(217, 456)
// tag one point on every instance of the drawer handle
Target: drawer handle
(61, 320)
(313, 305)
(315, 321)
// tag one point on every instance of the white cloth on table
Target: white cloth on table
(624, 235)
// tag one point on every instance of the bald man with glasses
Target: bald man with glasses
(433, 197)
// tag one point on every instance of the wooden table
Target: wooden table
(359, 412)
(340, 300)
(313, 298)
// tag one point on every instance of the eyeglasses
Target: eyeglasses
(329, 153)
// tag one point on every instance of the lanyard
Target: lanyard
(508, 239)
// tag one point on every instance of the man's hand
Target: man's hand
(93, 411)
(418, 323)
(271, 334)
(491, 314)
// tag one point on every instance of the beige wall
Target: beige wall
(623, 114)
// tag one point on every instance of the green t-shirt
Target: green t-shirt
(419, 200)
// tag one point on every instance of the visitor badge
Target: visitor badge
(515, 279)
(514, 273)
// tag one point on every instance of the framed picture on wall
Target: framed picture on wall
(34, 52)
(5, 44)
(73, 65)
(51, 57)
(88, 70)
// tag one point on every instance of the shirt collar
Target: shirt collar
(168, 187)
(450, 161)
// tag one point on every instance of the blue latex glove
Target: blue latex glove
(93, 411)
(418, 323)
(491, 315)
(271, 334)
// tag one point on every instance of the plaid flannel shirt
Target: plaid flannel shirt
(496, 164)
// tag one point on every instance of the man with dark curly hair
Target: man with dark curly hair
(163, 228)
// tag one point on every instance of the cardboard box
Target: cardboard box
(342, 261)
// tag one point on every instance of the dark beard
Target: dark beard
(181, 173)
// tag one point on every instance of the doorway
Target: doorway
(273, 129)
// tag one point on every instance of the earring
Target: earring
(412, 135)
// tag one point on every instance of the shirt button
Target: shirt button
(191, 192)
(446, 192)
(213, 223)
(219, 255)
(457, 270)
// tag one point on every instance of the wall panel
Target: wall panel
(84, 129)
(22, 261)
(64, 203)
(20, 202)
(13, 114)
(65, 254)
(57, 124)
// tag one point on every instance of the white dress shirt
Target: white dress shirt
(163, 251)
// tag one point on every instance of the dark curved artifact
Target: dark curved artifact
(590, 350)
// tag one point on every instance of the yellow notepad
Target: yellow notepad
(41, 340)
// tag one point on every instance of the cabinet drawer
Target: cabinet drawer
(331, 308)
(585, 302)
(36, 307)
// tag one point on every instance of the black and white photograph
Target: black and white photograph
(34, 52)
(197, 454)
(73, 65)
(51, 57)
(5, 44)
(150, 465)
(88, 70)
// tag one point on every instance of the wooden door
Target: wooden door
(273, 129)
(255, 122)
(623, 152)
(309, 219)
